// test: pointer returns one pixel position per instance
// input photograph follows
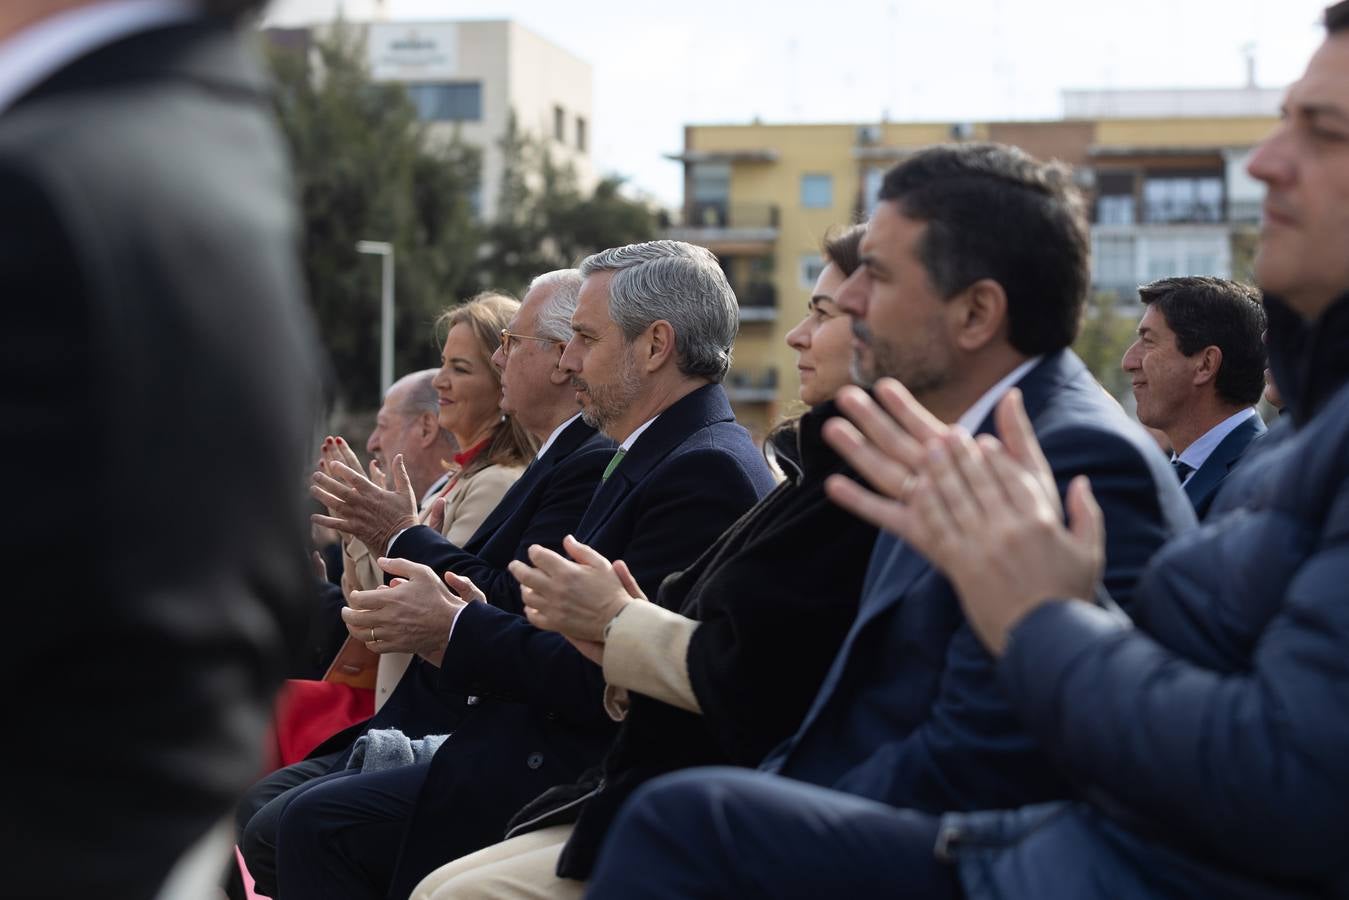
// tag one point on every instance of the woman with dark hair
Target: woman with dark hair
(723, 665)
(821, 341)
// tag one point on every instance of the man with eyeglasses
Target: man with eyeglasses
(540, 508)
(648, 340)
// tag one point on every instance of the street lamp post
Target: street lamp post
(385, 250)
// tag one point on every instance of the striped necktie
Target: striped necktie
(613, 464)
(1183, 469)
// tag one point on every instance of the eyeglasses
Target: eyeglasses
(508, 336)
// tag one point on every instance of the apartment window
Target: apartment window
(1117, 209)
(812, 264)
(871, 190)
(1115, 203)
(447, 101)
(817, 191)
(559, 124)
(711, 195)
(1183, 198)
(1113, 260)
(581, 133)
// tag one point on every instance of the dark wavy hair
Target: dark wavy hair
(1337, 17)
(994, 211)
(1214, 312)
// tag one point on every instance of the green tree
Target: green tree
(545, 222)
(365, 171)
(1106, 333)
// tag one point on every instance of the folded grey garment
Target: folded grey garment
(389, 748)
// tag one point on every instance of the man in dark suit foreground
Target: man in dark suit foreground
(156, 343)
(651, 342)
(973, 275)
(1198, 368)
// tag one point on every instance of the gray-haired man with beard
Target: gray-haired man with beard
(651, 342)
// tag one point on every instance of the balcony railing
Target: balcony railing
(752, 387)
(758, 302)
(718, 214)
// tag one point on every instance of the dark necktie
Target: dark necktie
(1183, 469)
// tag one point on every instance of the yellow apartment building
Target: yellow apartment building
(1164, 172)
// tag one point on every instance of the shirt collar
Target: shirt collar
(632, 438)
(552, 438)
(1198, 453)
(975, 415)
(36, 53)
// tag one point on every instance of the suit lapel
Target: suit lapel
(1206, 480)
(575, 434)
(703, 407)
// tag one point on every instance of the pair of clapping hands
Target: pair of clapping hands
(415, 611)
(984, 511)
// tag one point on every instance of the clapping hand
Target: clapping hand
(360, 507)
(575, 597)
(413, 613)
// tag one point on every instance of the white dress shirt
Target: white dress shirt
(1198, 453)
(973, 417)
(39, 51)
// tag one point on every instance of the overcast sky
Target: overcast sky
(660, 66)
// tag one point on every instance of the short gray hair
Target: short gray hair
(421, 396)
(682, 284)
(555, 316)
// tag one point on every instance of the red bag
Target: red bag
(310, 712)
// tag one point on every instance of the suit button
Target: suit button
(535, 760)
(551, 717)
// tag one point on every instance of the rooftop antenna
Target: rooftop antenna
(1248, 51)
(892, 20)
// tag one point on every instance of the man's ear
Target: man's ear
(980, 314)
(657, 345)
(1207, 363)
(428, 429)
(557, 376)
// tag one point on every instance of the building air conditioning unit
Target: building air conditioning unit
(868, 134)
(962, 131)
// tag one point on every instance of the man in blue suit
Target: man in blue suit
(651, 341)
(1198, 369)
(973, 275)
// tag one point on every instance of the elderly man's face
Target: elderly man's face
(1305, 165)
(527, 368)
(395, 429)
(602, 365)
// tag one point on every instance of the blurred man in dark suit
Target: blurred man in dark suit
(148, 266)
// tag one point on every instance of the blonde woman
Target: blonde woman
(493, 449)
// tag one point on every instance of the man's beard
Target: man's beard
(921, 366)
(608, 402)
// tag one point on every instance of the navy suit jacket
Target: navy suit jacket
(1203, 485)
(911, 713)
(543, 506)
(539, 718)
